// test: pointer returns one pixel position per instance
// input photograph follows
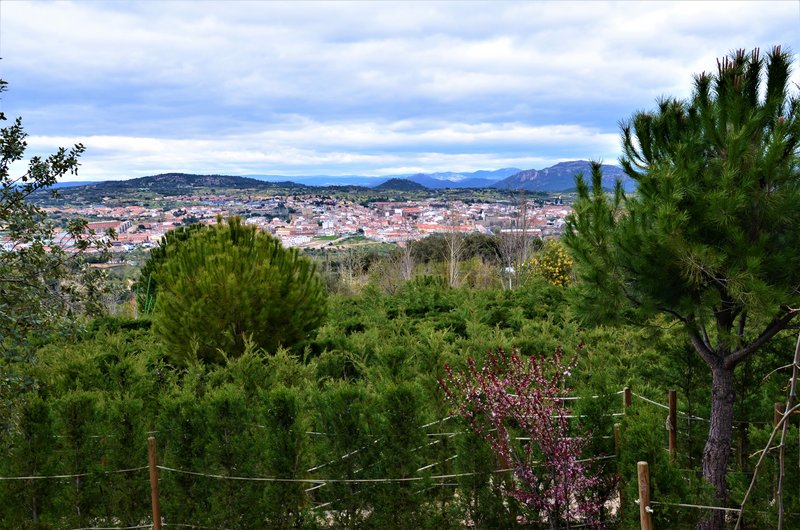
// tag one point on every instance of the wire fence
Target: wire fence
(378, 439)
(441, 480)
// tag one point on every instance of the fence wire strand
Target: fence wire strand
(663, 406)
(149, 525)
(76, 475)
(697, 506)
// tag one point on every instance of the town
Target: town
(317, 221)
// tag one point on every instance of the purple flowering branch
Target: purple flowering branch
(511, 396)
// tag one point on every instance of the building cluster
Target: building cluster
(317, 221)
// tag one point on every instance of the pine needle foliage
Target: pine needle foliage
(229, 284)
(711, 235)
(147, 286)
(712, 228)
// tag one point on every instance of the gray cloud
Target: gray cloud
(343, 88)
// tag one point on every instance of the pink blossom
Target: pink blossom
(515, 404)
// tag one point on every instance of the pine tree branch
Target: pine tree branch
(701, 344)
(702, 347)
(782, 451)
(706, 339)
(784, 419)
(742, 323)
(777, 324)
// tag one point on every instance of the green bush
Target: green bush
(644, 439)
(234, 447)
(480, 495)
(230, 284)
(346, 418)
(371, 384)
(28, 452)
(761, 510)
(399, 504)
(286, 458)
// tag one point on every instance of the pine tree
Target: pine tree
(711, 235)
(230, 284)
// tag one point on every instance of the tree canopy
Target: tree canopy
(711, 235)
(42, 278)
(227, 285)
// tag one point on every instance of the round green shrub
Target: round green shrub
(228, 286)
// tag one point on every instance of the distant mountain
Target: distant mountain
(59, 185)
(496, 174)
(475, 183)
(561, 177)
(437, 184)
(475, 179)
(426, 180)
(400, 185)
(449, 179)
(181, 180)
(326, 180)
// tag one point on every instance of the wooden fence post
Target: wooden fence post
(626, 398)
(672, 424)
(151, 462)
(617, 438)
(644, 496)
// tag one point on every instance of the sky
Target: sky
(357, 88)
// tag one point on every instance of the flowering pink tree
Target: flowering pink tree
(516, 404)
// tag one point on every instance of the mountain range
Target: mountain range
(557, 178)
(474, 179)
(400, 185)
(561, 177)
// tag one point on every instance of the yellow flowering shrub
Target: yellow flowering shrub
(553, 263)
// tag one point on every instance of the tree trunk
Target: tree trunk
(718, 447)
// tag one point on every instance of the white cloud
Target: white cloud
(358, 87)
(336, 149)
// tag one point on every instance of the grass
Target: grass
(355, 239)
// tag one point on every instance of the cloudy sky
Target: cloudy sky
(361, 88)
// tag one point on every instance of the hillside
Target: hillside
(561, 177)
(165, 184)
(170, 183)
(400, 185)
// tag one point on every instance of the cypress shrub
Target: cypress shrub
(348, 448)
(399, 504)
(28, 452)
(286, 458)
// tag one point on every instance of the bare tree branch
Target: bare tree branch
(782, 425)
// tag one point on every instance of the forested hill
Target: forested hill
(400, 185)
(172, 183)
